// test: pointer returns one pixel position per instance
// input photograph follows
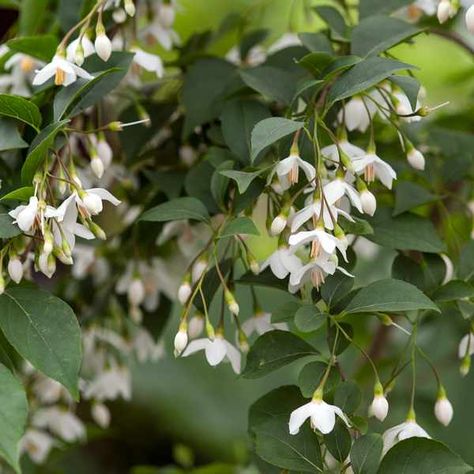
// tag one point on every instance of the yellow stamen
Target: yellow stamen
(27, 64)
(60, 77)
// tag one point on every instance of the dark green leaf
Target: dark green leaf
(311, 375)
(374, 7)
(363, 76)
(409, 195)
(240, 225)
(20, 194)
(13, 413)
(242, 178)
(42, 46)
(21, 109)
(422, 456)
(44, 330)
(39, 150)
(454, 290)
(273, 350)
(339, 441)
(10, 138)
(286, 312)
(32, 15)
(250, 40)
(358, 227)
(366, 453)
(265, 278)
(176, 209)
(333, 18)
(269, 131)
(378, 33)
(466, 262)
(336, 287)
(316, 42)
(348, 396)
(410, 86)
(316, 62)
(309, 318)
(389, 295)
(7, 228)
(342, 342)
(69, 13)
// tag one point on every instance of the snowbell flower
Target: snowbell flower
(287, 170)
(64, 72)
(322, 416)
(466, 346)
(181, 338)
(101, 415)
(24, 216)
(315, 271)
(416, 159)
(15, 269)
(319, 239)
(470, 19)
(136, 291)
(443, 409)
(102, 43)
(145, 346)
(281, 262)
(196, 326)
(216, 351)
(86, 49)
(278, 224)
(368, 202)
(184, 291)
(129, 7)
(403, 107)
(336, 189)
(91, 200)
(405, 430)
(379, 406)
(261, 323)
(37, 444)
(357, 114)
(331, 152)
(63, 423)
(149, 62)
(371, 166)
(445, 11)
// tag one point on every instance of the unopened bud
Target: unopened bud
(2, 283)
(181, 338)
(101, 414)
(15, 269)
(97, 166)
(470, 19)
(196, 326)
(102, 43)
(465, 365)
(184, 291)
(199, 268)
(97, 230)
(231, 303)
(444, 11)
(368, 202)
(416, 159)
(129, 7)
(379, 406)
(243, 341)
(278, 224)
(79, 54)
(443, 409)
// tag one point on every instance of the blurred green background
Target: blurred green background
(183, 408)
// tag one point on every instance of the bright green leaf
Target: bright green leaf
(20, 194)
(243, 178)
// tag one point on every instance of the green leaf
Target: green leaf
(41, 47)
(250, 40)
(270, 130)
(286, 312)
(374, 7)
(358, 227)
(405, 232)
(69, 13)
(7, 228)
(363, 76)
(239, 225)
(32, 15)
(20, 194)
(262, 80)
(348, 396)
(273, 350)
(21, 109)
(378, 33)
(39, 150)
(10, 138)
(336, 287)
(422, 456)
(366, 453)
(339, 441)
(243, 178)
(309, 318)
(333, 18)
(454, 290)
(275, 445)
(44, 330)
(238, 118)
(410, 86)
(311, 375)
(389, 295)
(409, 195)
(466, 262)
(342, 342)
(316, 62)
(13, 413)
(316, 42)
(177, 209)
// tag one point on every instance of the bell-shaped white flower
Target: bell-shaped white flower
(37, 444)
(278, 225)
(336, 189)
(184, 292)
(331, 152)
(181, 339)
(261, 323)
(195, 326)
(136, 291)
(91, 199)
(371, 166)
(287, 170)
(198, 269)
(97, 166)
(322, 416)
(87, 49)
(102, 149)
(445, 11)
(470, 19)
(149, 62)
(216, 351)
(281, 262)
(103, 46)
(101, 414)
(15, 269)
(368, 202)
(405, 430)
(145, 346)
(416, 159)
(443, 409)
(61, 422)
(64, 72)
(319, 238)
(466, 346)
(315, 271)
(357, 114)
(403, 107)
(379, 406)
(24, 216)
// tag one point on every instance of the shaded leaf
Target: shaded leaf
(42, 46)
(21, 109)
(176, 209)
(240, 225)
(366, 453)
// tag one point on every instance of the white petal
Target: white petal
(215, 351)
(301, 217)
(299, 416)
(195, 346)
(44, 74)
(104, 195)
(323, 417)
(233, 355)
(307, 168)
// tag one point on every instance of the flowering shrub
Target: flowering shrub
(136, 185)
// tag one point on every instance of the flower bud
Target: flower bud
(253, 264)
(101, 414)
(15, 269)
(48, 242)
(119, 15)
(136, 292)
(184, 291)
(379, 406)
(470, 19)
(196, 326)
(243, 341)
(443, 409)
(2, 283)
(416, 159)
(278, 224)
(465, 366)
(231, 303)
(368, 202)
(198, 269)
(102, 44)
(129, 7)
(181, 339)
(97, 166)
(444, 10)
(97, 230)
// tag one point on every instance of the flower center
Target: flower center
(315, 248)
(369, 173)
(293, 175)
(317, 277)
(60, 77)
(26, 64)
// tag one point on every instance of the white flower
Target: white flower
(285, 41)
(149, 62)
(136, 292)
(216, 351)
(405, 430)
(184, 292)
(145, 347)
(331, 152)
(355, 114)
(102, 148)
(379, 407)
(101, 414)
(181, 339)
(261, 323)
(102, 44)
(336, 189)
(278, 225)
(372, 166)
(322, 415)
(466, 346)
(470, 19)
(37, 444)
(445, 10)
(281, 262)
(195, 326)
(91, 200)
(15, 269)
(48, 390)
(319, 239)
(368, 202)
(129, 7)
(199, 267)
(166, 14)
(64, 72)
(403, 107)
(443, 410)
(416, 159)
(314, 271)
(97, 166)
(87, 49)
(288, 170)
(110, 384)
(448, 275)
(63, 423)
(24, 216)
(428, 6)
